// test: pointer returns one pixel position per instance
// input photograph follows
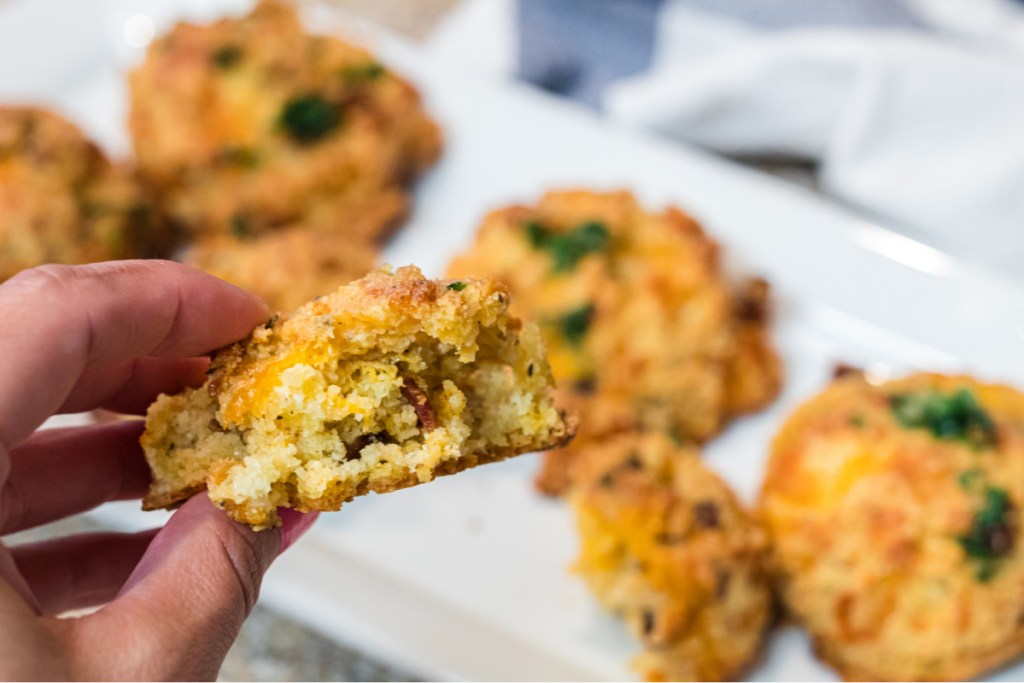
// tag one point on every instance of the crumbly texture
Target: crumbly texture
(894, 512)
(61, 200)
(388, 382)
(286, 268)
(666, 545)
(250, 123)
(643, 328)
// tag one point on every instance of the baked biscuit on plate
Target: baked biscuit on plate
(643, 328)
(62, 200)
(894, 510)
(251, 123)
(666, 545)
(286, 267)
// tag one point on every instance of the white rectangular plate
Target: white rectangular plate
(466, 577)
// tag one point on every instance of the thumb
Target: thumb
(182, 607)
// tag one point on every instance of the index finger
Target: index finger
(64, 320)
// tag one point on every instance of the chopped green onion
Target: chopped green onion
(309, 117)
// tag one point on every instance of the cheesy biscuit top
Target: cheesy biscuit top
(250, 123)
(643, 328)
(895, 513)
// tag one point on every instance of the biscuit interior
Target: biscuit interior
(387, 383)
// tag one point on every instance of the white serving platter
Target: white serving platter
(466, 578)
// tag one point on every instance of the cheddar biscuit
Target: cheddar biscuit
(287, 267)
(61, 200)
(895, 515)
(666, 545)
(643, 329)
(250, 123)
(388, 382)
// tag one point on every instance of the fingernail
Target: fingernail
(293, 525)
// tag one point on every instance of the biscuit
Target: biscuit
(643, 329)
(250, 123)
(61, 200)
(666, 545)
(388, 382)
(894, 510)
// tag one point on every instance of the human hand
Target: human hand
(114, 335)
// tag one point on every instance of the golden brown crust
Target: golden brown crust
(894, 511)
(250, 123)
(315, 408)
(168, 500)
(666, 545)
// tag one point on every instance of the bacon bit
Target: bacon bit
(706, 514)
(585, 386)
(752, 303)
(353, 450)
(647, 622)
(843, 370)
(417, 398)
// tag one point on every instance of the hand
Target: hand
(115, 335)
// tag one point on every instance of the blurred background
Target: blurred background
(907, 110)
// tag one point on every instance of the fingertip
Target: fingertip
(198, 529)
(185, 602)
(294, 525)
(264, 309)
(261, 308)
(209, 308)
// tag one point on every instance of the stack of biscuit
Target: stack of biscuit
(657, 350)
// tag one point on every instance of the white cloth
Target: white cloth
(919, 130)
(924, 130)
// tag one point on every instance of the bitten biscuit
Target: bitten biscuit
(387, 383)
(895, 515)
(61, 200)
(250, 123)
(643, 329)
(666, 545)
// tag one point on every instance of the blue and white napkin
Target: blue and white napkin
(913, 109)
